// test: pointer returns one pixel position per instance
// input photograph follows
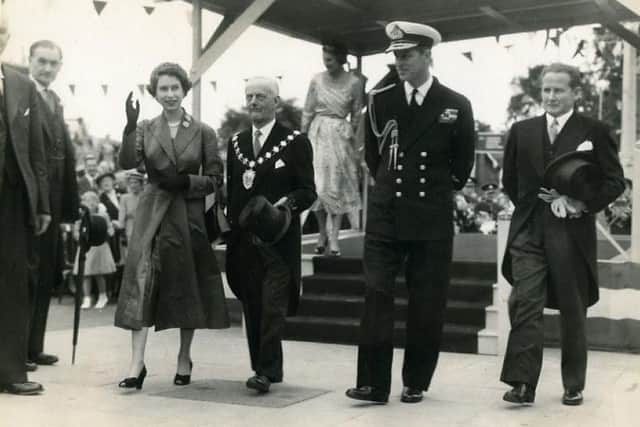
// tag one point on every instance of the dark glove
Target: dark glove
(133, 111)
(174, 183)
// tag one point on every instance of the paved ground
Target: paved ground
(465, 392)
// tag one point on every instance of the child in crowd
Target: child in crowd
(99, 261)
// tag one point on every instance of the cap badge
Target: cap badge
(396, 33)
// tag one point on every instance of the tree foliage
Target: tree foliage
(288, 114)
(603, 64)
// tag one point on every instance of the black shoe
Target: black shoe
(572, 398)
(30, 366)
(411, 395)
(184, 379)
(319, 250)
(521, 393)
(27, 388)
(367, 393)
(134, 382)
(45, 359)
(259, 383)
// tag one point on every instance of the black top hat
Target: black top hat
(269, 223)
(102, 176)
(574, 174)
(93, 229)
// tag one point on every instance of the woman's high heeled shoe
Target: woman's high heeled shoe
(134, 382)
(320, 249)
(184, 379)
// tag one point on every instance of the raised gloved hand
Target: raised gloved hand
(132, 111)
(174, 183)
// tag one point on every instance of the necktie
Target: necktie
(414, 100)
(553, 130)
(48, 99)
(256, 143)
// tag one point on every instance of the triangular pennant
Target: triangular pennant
(141, 88)
(214, 85)
(498, 38)
(72, 88)
(105, 88)
(149, 9)
(468, 55)
(99, 5)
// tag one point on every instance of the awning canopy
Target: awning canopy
(360, 23)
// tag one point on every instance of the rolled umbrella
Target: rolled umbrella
(93, 232)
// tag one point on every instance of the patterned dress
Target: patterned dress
(329, 103)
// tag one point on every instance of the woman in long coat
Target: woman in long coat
(170, 277)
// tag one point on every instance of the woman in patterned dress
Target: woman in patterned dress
(333, 96)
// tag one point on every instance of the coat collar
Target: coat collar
(186, 133)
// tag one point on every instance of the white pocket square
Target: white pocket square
(26, 112)
(279, 164)
(585, 146)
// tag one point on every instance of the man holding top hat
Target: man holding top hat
(269, 182)
(419, 149)
(560, 169)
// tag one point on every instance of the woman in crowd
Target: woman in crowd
(333, 95)
(99, 260)
(110, 199)
(170, 277)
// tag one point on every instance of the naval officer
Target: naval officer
(419, 149)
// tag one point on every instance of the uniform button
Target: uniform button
(423, 180)
(423, 154)
(421, 194)
(422, 167)
(398, 193)
(401, 154)
(399, 167)
(398, 180)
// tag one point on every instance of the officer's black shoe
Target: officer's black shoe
(27, 388)
(45, 359)
(259, 383)
(30, 366)
(572, 398)
(522, 393)
(370, 394)
(411, 395)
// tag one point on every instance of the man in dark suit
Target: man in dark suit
(419, 149)
(551, 249)
(45, 59)
(24, 211)
(275, 162)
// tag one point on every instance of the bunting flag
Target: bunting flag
(149, 9)
(72, 88)
(508, 47)
(468, 55)
(141, 88)
(105, 88)
(214, 85)
(99, 5)
(579, 49)
(498, 38)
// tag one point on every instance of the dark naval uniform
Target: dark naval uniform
(410, 225)
(63, 198)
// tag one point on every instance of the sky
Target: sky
(118, 49)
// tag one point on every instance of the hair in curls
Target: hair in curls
(337, 50)
(168, 69)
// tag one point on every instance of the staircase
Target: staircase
(332, 302)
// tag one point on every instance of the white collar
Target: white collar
(562, 120)
(264, 130)
(422, 90)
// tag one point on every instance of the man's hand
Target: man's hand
(565, 206)
(548, 195)
(575, 207)
(42, 223)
